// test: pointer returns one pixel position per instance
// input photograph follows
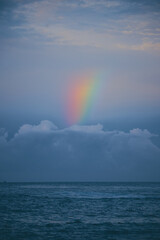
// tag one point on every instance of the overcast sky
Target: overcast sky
(45, 46)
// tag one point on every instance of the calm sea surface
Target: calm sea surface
(79, 211)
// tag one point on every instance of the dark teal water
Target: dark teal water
(122, 211)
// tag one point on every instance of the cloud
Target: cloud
(87, 153)
(87, 129)
(145, 46)
(122, 27)
(45, 126)
(3, 136)
(101, 3)
(139, 132)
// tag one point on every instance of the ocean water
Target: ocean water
(50, 211)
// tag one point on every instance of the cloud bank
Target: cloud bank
(79, 153)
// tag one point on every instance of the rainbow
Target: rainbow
(81, 97)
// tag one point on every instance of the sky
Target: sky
(79, 90)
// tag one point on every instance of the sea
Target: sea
(80, 211)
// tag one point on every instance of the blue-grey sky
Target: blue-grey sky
(43, 44)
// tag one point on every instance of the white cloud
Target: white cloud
(139, 132)
(44, 152)
(87, 129)
(45, 126)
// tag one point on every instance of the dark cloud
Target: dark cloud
(87, 153)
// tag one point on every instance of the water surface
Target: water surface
(79, 211)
